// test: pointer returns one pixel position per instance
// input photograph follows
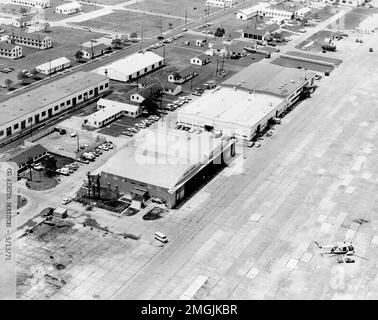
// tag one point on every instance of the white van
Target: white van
(161, 237)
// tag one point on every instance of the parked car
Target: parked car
(127, 133)
(250, 144)
(103, 147)
(66, 200)
(38, 167)
(157, 200)
(73, 134)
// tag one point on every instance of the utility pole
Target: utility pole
(161, 25)
(186, 16)
(78, 144)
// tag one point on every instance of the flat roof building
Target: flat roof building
(132, 66)
(35, 106)
(167, 163)
(246, 102)
(110, 110)
(69, 8)
(53, 65)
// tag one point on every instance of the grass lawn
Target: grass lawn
(324, 13)
(50, 14)
(127, 22)
(194, 8)
(66, 42)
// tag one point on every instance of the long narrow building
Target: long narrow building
(35, 106)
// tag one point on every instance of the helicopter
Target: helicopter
(343, 248)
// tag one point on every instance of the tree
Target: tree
(117, 43)
(150, 105)
(79, 55)
(46, 27)
(219, 32)
(8, 83)
(22, 75)
(50, 165)
(133, 35)
(34, 73)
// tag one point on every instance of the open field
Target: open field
(50, 15)
(66, 42)
(195, 8)
(127, 22)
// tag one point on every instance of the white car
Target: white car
(73, 134)
(66, 200)
(102, 147)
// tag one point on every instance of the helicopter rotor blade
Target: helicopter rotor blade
(360, 257)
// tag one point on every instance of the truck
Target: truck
(89, 156)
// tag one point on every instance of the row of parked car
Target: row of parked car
(177, 103)
(68, 169)
(160, 44)
(141, 125)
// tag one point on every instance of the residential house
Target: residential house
(150, 92)
(200, 60)
(171, 88)
(95, 50)
(182, 75)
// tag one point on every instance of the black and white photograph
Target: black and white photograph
(196, 152)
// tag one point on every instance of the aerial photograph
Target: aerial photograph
(191, 150)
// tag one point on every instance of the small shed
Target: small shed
(60, 213)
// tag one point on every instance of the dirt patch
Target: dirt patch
(40, 181)
(130, 212)
(90, 222)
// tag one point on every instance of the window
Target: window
(43, 113)
(30, 119)
(106, 85)
(62, 104)
(80, 96)
(15, 127)
(1, 133)
(145, 69)
(68, 102)
(55, 108)
(101, 87)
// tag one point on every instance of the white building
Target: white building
(200, 60)
(37, 105)
(352, 3)
(33, 3)
(277, 15)
(303, 12)
(69, 8)
(245, 103)
(54, 65)
(248, 13)
(34, 40)
(132, 67)
(220, 3)
(109, 111)
(10, 51)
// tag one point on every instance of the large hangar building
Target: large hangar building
(169, 164)
(246, 102)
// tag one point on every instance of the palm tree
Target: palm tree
(34, 73)
(22, 76)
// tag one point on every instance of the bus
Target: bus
(161, 237)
